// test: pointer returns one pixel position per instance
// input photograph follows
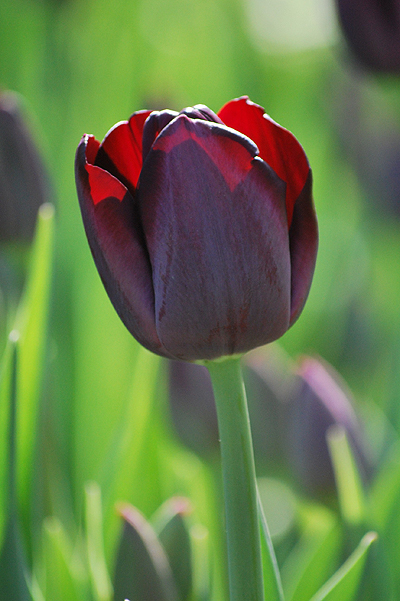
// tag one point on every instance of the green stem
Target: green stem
(241, 514)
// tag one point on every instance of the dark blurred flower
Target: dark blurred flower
(372, 29)
(369, 131)
(320, 400)
(24, 184)
(205, 248)
(154, 557)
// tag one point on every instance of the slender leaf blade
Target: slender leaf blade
(343, 585)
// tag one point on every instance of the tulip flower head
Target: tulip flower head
(202, 227)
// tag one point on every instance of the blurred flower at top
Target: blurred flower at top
(24, 184)
(202, 227)
(372, 29)
(319, 400)
(369, 130)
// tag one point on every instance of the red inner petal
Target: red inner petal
(103, 185)
(278, 147)
(92, 146)
(123, 145)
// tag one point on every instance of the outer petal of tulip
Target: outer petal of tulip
(116, 241)
(216, 231)
(303, 235)
(279, 148)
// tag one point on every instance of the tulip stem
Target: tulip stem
(239, 479)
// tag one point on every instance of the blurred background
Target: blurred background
(69, 67)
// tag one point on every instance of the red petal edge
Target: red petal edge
(278, 147)
(102, 184)
(123, 145)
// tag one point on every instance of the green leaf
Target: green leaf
(348, 481)
(273, 590)
(31, 322)
(385, 491)
(142, 568)
(101, 584)
(123, 459)
(6, 383)
(343, 585)
(311, 560)
(13, 571)
(64, 578)
(170, 526)
(199, 537)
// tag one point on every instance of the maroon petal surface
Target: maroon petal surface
(120, 152)
(154, 124)
(303, 236)
(278, 147)
(216, 231)
(116, 240)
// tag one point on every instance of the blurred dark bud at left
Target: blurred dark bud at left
(372, 30)
(24, 183)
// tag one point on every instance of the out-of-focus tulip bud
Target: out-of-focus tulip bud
(24, 185)
(320, 400)
(153, 559)
(202, 227)
(372, 29)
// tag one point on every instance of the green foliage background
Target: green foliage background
(101, 411)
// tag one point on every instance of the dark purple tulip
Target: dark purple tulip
(24, 184)
(202, 227)
(320, 400)
(372, 29)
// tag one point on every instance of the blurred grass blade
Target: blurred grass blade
(6, 384)
(348, 480)
(199, 537)
(101, 584)
(170, 526)
(310, 562)
(13, 574)
(142, 568)
(31, 323)
(273, 590)
(118, 476)
(61, 581)
(343, 585)
(385, 491)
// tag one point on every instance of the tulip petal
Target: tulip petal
(232, 160)
(278, 147)
(153, 126)
(216, 231)
(120, 152)
(303, 236)
(116, 241)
